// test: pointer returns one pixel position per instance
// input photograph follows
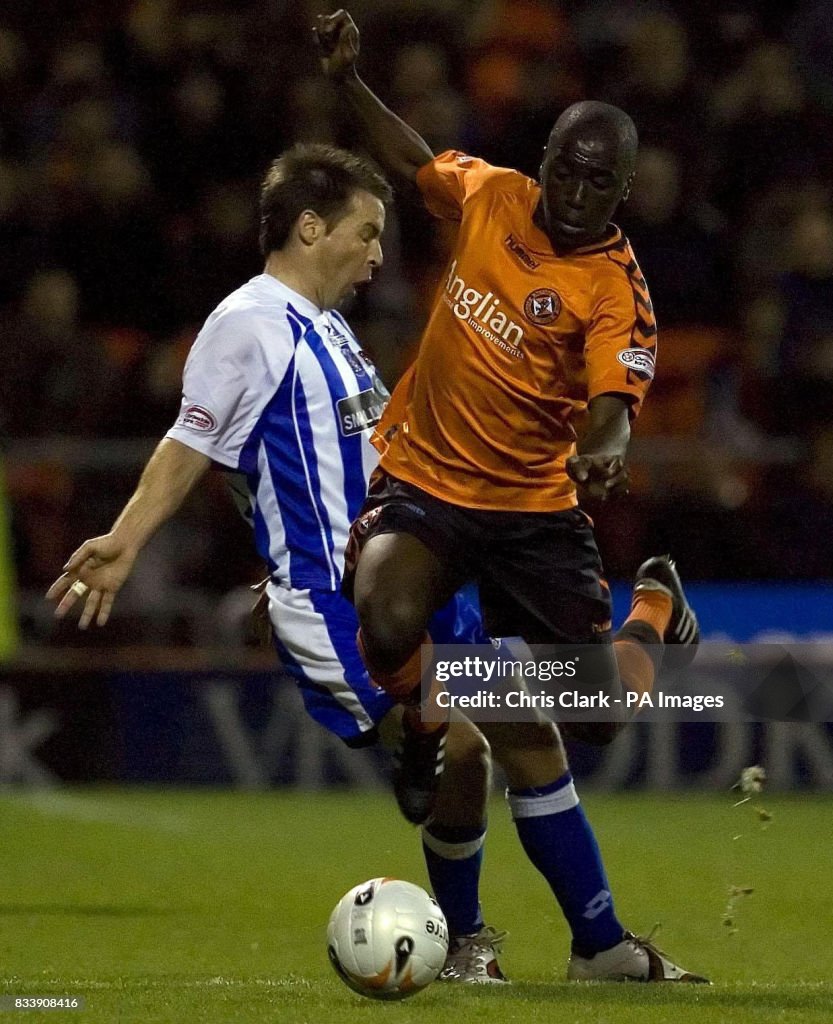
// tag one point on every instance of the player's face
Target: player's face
(582, 183)
(351, 250)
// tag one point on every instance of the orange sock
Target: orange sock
(636, 666)
(653, 607)
(638, 644)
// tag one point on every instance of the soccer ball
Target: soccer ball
(387, 939)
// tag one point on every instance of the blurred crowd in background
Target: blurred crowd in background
(133, 137)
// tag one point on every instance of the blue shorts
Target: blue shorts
(315, 637)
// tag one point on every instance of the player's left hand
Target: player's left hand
(599, 476)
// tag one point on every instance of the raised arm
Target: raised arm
(96, 571)
(397, 147)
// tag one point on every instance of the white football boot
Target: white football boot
(633, 959)
(472, 959)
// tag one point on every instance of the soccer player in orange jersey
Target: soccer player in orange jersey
(537, 355)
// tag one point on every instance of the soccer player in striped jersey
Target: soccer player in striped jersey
(278, 393)
(537, 354)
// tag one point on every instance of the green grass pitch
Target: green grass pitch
(179, 906)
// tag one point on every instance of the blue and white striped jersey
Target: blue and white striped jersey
(280, 391)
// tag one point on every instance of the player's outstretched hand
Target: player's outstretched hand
(338, 43)
(599, 476)
(94, 574)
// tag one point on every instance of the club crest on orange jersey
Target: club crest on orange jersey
(542, 306)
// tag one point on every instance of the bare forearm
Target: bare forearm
(608, 430)
(97, 570)
(394, 144)
(169, 477)
(399, 149)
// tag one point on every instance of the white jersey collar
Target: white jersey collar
(299, 302)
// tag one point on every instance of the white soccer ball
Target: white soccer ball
(387, 939)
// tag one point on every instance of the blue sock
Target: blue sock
(453, 855)
(559, 841)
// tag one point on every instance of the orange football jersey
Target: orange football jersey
(518, 341)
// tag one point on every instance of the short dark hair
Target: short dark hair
(313, 176)
(593, 116)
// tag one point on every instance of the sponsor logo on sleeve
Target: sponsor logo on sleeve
(197, 417)
(639, 361)
(542, 306)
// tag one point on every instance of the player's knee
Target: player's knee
(392, 629)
